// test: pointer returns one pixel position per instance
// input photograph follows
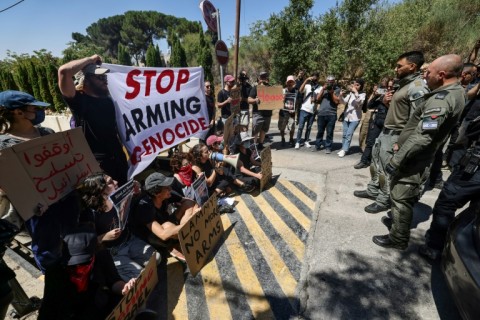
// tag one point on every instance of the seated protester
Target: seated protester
(89, 286)
(156, 220)
(249, 168)
(227, 172)
(182, 172)
(129, 253)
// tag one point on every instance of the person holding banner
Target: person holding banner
(287, 114)
(129, 253)
(156, 220)
(89, 100)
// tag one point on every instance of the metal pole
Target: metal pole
(237, 37)
(219, 32)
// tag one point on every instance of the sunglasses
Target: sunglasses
(207, 86)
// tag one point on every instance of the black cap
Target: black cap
(81, 244)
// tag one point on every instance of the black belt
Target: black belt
(391, 132)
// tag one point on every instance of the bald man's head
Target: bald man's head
(443, 71)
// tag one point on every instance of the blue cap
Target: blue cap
(12, 99)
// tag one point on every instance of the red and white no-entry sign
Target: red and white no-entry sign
(221, 51)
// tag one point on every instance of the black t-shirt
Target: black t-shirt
(145, 213)
(246, 158)
(97, 116)
(245, 91)
(210, 107)
(223, 95)
(106, 221)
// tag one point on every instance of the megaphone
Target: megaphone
(231, 159)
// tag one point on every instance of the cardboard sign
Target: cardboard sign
(44, 170)
(229, 131)
(199, 236)
(236, 95)
(266, 156)
(136, 298)
(271, 97)
(156, 109)
(121, 199)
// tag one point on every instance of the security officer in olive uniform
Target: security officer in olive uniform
(401, 104)
(424, 133)
(462, 186)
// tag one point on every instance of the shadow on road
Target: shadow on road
(364, 288)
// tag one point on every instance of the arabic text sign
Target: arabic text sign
(156, 109)
(44, 170)
(271, 98)
(136, 298)
(199, 236)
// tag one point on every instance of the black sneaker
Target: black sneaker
(247, 188)
(283, 142)
(226, 208)
(291, 143)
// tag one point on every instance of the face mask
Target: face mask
(39, 117)
(220, 147)
(246, 144)
(185, 174)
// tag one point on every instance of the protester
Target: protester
(249, 168)
(352, 114)
(129, 253)
(261, 118)
(92, 107)
(157, 220)
(426, 130)
(210, 98)
(224, 100)
(287, 114)
(88, 287)
(181, 165)
(245, 88)
(329, 99)
(20, 115)
(375, 125)
(310, 91)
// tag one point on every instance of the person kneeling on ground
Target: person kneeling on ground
(157, 220)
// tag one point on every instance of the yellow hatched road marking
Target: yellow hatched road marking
(247, 277)
(303, 220)
(284, 278)
(176, 291)
(294, 243)
(298, 193)
(214, 292)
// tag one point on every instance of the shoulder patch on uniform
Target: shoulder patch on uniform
(432, 110)
(418, 82)
(441, 95)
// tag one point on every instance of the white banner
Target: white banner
(156, 109)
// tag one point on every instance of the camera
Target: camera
(243, 77)
(381, 91)
(329, 87)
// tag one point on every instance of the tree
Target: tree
(123, 56)
(153, 57)
(178, 57)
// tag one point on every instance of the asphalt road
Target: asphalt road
(343, 274)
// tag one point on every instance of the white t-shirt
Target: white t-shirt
(307, 105)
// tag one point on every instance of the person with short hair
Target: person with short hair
(414, 151)
(261, 118)
(352, 114)
(310, 90)
(329, 99)
(92, 107)
(401, 105)
(224, 101)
